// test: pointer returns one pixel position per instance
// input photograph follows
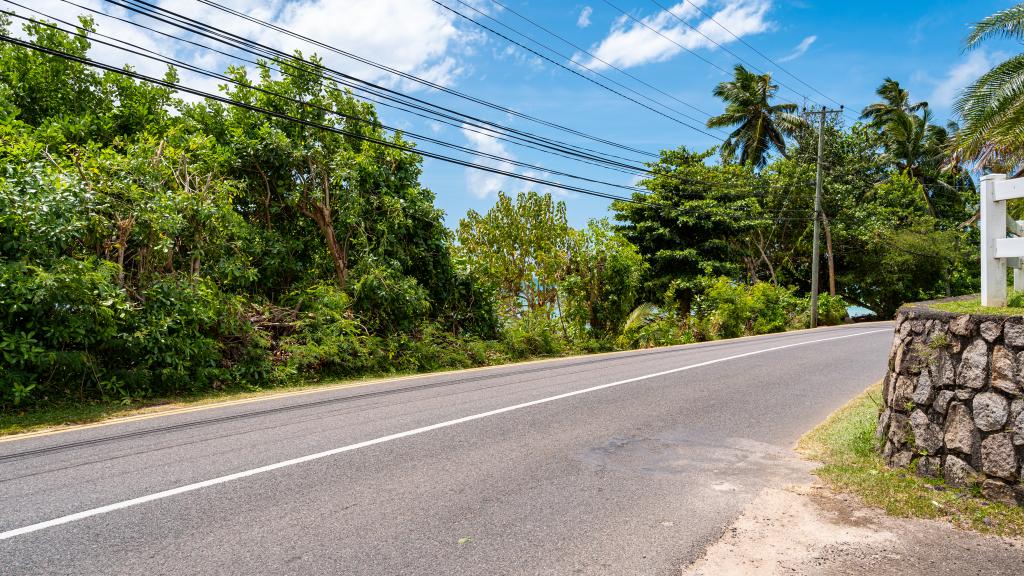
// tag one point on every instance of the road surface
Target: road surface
(628, 463)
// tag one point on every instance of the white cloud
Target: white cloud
(631, 44)
(520, 57)
(414, 36)
(800, 49)
(960, 75)
(584, 20)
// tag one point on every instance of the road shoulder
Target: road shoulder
(861, 517)
(812, 530)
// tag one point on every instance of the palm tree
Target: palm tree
(992, 108)
(760, 126)
(912, 144)
(917, 147)
(895, 103)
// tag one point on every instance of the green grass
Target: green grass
(845, 444)
(1015, 306)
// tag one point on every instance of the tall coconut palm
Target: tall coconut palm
(992, 108)
(916, 147)
(895, 104)
(760, 126)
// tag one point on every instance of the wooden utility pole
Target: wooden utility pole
(816, 251)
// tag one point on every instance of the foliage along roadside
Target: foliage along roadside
(152, 247)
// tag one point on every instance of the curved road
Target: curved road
(626, 463)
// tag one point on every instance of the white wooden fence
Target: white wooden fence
(1002, 239)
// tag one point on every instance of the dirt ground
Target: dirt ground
(811, 530)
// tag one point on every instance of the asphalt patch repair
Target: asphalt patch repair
(809, 529)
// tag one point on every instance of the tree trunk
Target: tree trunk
(339, 254)
(321, 215)
(266, 197)
(320, 212)
(829, 255)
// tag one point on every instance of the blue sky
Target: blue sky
(844, 49)
(855, 45)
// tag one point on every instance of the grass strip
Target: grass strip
(845, 444)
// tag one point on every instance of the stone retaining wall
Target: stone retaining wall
(954, 403)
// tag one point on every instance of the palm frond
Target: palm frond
(641, 316)
(1008, 23)
(990, 109)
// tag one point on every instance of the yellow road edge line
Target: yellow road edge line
(159, 413)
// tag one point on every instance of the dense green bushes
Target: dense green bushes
(68, 330)
(726, 309)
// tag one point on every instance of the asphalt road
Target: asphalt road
(628, 463)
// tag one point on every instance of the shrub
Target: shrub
(1015, 300)
(188, 336)
(389, 300)
(534, 334)
(327, 337)
(55, 325)
(69, 331)
(776, 308)
(727, 309)
(649, 326)
(831, 310)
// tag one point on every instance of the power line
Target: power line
(758, 52)
(255, 48)
(658, 32)
(751, 190)
(428, 115)
(405, 75)
(588, 53)
(139, 51)
(597, 58)
(284, 58)
(334, 129)
(570, 70)
(725, 48)
(281, 116)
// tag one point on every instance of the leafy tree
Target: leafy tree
(329, 178)
(605, 274)
(381, 235)
(895, 251)
(914, 145)
(687, 225)
(760, 125)
(153, 247)
(70, 102)
(870, 222)
(520, 248)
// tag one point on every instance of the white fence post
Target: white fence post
(993, 227)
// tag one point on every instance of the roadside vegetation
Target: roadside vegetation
(846, 446)
(153, 248)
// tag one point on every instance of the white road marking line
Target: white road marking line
(246, 473)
